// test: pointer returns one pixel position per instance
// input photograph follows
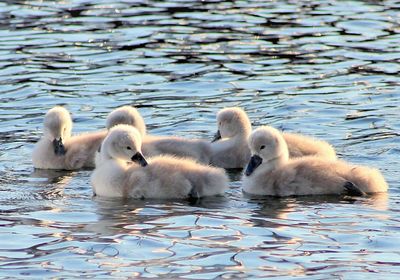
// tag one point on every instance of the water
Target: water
(322, 68)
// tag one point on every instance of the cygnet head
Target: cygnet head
(123, 142)
(57, 128)
(267, 145)
(232, 122)
(126, 115)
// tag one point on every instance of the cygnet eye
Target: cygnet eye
(262, 147)
(128, 148)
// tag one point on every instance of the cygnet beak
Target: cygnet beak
(59, 148)
(138, 157)
(217, 137)
(254, 162)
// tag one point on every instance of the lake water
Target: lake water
(324, 68)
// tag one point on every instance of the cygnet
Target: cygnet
(197, 149)
(128, 115)
(229, 147)
(230, 150)
(57, 149)
(161, 177)
(271, 172)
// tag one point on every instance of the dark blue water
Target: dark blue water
(322, 68)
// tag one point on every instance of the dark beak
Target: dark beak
(59, 148)
(138, 157)
(217, 137)
(254, 162)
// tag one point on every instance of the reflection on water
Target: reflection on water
(316, 67)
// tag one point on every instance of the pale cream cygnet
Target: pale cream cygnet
(271, 172)
(197, 149)
(128, 115)
(229, 148)
(57, 149)
(162, 177)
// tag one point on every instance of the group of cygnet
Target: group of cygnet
(130, 163)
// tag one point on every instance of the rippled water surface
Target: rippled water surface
(324, 68)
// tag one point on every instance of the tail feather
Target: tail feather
(215, 182)
(369, 180)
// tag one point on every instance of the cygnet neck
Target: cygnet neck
(242, 135)
(115, 160)
(277, 161)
